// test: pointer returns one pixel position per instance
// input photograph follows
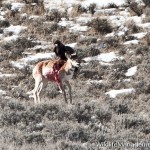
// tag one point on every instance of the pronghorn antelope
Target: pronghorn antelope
(44, 71)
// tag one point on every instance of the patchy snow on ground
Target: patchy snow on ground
(105, 57)
(43, 47)
(10, 38)
(117, 20)
(2, 92)
(114, 93)
(21, 63)
(6, 75)
(65, 23)
(125, 13)
(37, 57)
(135, 19)
(110, 11)
(139, 35)
(14, 29)
(78, 28)
(112, 34)
(131, 71)
(34, 17)
(131, 42)
(94, 81)
(84, 19)
(100, 3)
(145, 25)
(2, 18)
(121, 33)
(17, 6)
(73, 45)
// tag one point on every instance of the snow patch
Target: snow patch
(11, 38)
(105, 57)
(2, 92)
(14, 29)
(145, 25)
(65, 23)
(17, 6)
(7, 75)
(79, 28)
(94, 81)
(114, 93)
(131, 71)
(139, 35)
(73, 45)
(21, 63)
(131, 42)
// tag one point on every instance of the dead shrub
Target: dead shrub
(121, 66)
(100, 25)
(92, 8)
(103, 114)
(38, 2)
(10, 118)
(146, 2)
(141, 50)
(58, 130)
(82, 113)
(146, 128)
(23, 42)
(112, 5)
(146, 20)
(122, 50)
(4, 23)
(48, 29)
(111, 42)
(92, 51)
(55, 15)
(134, 122)
(89, 74)
(69, 37)
(16, 106)
(78, 134)
(34, 138)
(34, 8)
(147, 11)
(87, 40)
(54, 92)
(121, 107)
(148, 39)
(70, 145)
(138, 10)
(129, 37)
(7, 6)
(132, 26)
(0, 3)
(77, 10)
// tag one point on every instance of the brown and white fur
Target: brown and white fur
(43, 72)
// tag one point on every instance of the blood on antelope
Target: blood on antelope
(46, 71)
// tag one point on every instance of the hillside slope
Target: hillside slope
(111, 94)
